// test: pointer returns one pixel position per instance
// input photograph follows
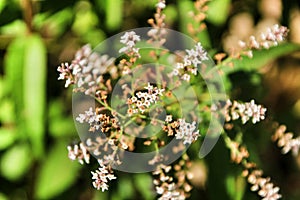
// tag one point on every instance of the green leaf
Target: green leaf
(34, 88)
(114, 10)
(260, 59)
(7, 114)
(3, 196)
(56, 174)
(125, 188)
(13, 70)
(7, 137)
(2, 5)
(218, 11)
(143, 183)
(15, 162)
(235, 187)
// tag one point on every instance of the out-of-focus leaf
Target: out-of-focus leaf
(94, 37)
(56, 24)
(7, 114)
(2, 4)
(56, 174)
(114, 13)
(125, 188)
(3, 196)
(15, 162)
(15, 28)
(59, 125)
(235, 187)
(143, 183)
(34, 88)
(1, 88)
(260, 59)
(13, 69)
(218, 11)
(7, 137)
(85, 18)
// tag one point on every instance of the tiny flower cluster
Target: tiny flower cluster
(143, 100)
(193, 58)
(187, 132)
(245, 111)
(86, 70)
(270, 38)
(264, 187)
(286, 140)
(165, 185)
(78, 152)
(130, 39)
(98, 121)
(101, 177)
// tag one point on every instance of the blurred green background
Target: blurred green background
(36, 121)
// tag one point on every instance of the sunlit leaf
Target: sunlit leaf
(85, 18)
(34, 88)
(15, 162)
(17, 27)
(56, 174)
(7, 114)
(3, 196)
(7, 137)
(218, 11)
(2, 4)
(114, 10)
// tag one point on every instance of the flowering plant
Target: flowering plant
(165, 107)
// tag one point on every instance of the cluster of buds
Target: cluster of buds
(270, 38)
(191, 60)
(198, 16)
(174, 186)
(141, 101)
(101, 177)
(246, 111)
(98, 121)
(158, 32)
(263, 186)
(79, 152)
(286, 141)
(86, 70)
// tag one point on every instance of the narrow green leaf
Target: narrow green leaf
(260, 59)
(56, 174)
(34, 88)
(13, 70)
(7, 137)
(15, 162)
(114, 10)
(218, 11)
